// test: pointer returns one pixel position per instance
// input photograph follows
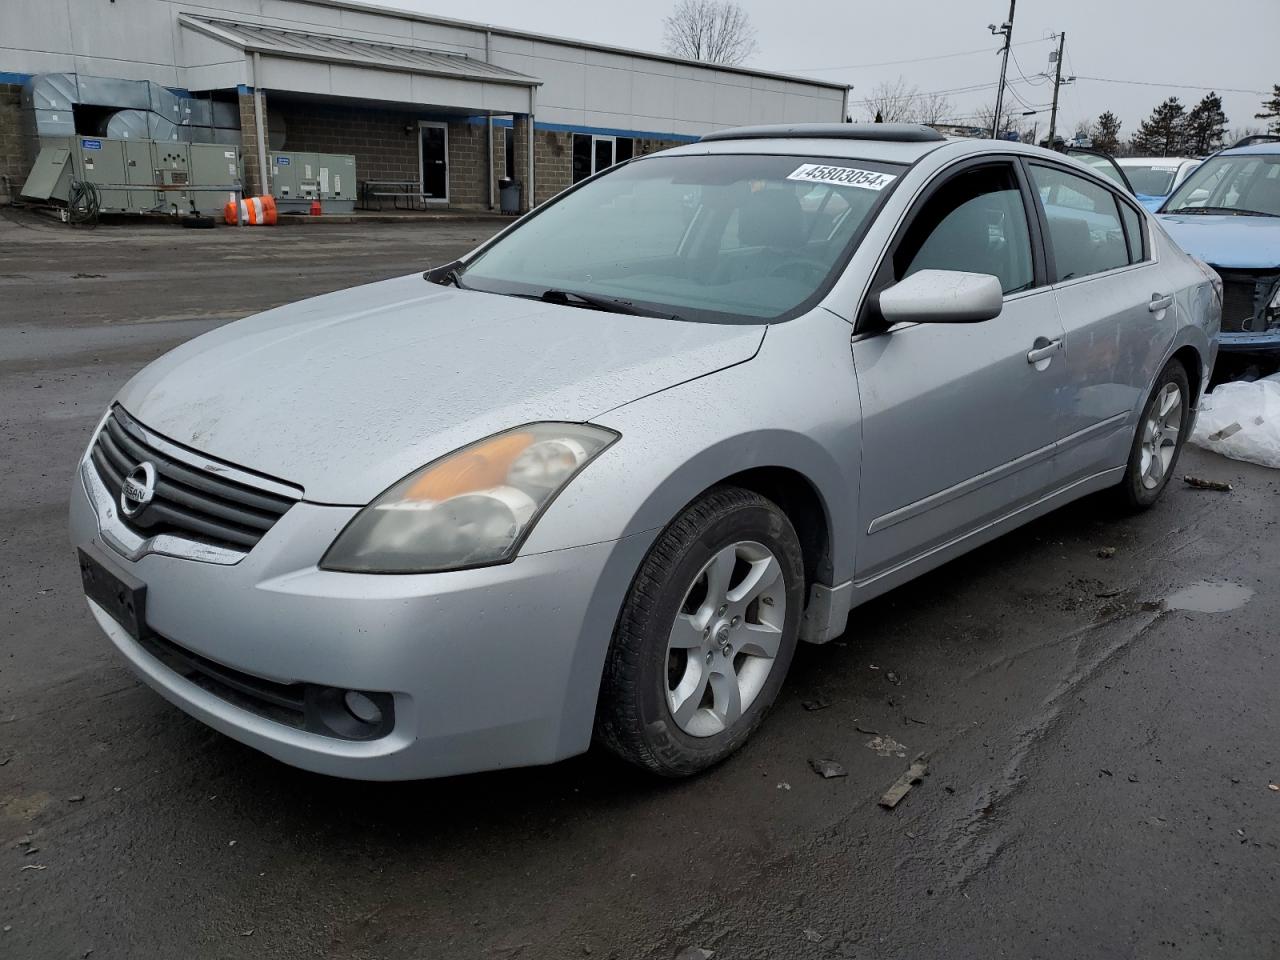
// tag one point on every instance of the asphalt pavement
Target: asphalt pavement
(1101, 726)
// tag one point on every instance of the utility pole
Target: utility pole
(1057, 82)
(1005, 28)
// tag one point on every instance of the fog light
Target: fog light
(362, 708)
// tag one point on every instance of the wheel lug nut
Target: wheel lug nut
(706, 632)
(711, 655)
(735, 621)
(723, 608)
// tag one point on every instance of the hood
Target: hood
(1221, 240)
(346, 393)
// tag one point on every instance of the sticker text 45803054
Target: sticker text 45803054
(842, 176)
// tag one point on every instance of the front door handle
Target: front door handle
(1159, 302)
(1036, 354)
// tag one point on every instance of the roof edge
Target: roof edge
(379, 8)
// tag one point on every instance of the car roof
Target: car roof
(1253, 148)
(900, 143)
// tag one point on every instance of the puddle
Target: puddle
(1209, 597)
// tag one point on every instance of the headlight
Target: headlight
(470, 508)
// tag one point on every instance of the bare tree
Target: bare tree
(892, 101)
(714, 31)
(1009, 121)
(932, 108)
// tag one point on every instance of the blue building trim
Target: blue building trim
(18, 78)
(597, 131)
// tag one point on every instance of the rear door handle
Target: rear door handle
(1159, 303)
(1044, 353)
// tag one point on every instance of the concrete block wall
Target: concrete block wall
(17, 145)
(468, 166)
(645, 145)
(553, 163)
(376, 138)
(249, 144)
(520, 131)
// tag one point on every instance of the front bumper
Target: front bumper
(1268, 342)
(491, 667)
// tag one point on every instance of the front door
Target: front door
(434, 156)
(957, 425)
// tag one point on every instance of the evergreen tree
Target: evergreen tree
(1271, 110)
(1162, 133)
(1206, 126)
(1106, 133)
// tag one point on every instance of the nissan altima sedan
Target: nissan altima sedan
(598, 478)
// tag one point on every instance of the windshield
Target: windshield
(1244, 184)
(714, 237)
(1151, 179)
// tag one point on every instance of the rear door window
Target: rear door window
(1085, 233)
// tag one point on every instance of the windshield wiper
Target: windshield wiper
(445, 274)
(1231, 211)
(608, 304)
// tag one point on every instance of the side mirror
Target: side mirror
(942, 296)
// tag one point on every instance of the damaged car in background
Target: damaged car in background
(599, 477)
(1227, 213)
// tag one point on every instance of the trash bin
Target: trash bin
(509, 195)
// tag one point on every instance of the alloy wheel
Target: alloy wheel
(1160, 436)
(725, 639)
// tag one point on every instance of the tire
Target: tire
(672, 633)
(1157, 443)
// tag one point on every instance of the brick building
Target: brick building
(444, 106)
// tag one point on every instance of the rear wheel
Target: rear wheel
(1161, 433)
(705, 637)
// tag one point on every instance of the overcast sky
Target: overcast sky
(1209, 44)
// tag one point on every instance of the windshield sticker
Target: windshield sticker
(842, 176)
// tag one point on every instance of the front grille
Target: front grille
(1242, 296)
(189, 502)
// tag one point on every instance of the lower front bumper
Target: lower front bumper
(1268, 342)
(489, 668)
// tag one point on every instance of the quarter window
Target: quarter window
(976, 223)
(1132, 232)
(1084, 223)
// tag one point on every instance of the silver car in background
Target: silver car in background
(598, 478)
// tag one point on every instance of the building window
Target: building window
(592, 153)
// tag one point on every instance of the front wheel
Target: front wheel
(705, 637)
(1161, 433)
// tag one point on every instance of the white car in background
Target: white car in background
(1154, 178)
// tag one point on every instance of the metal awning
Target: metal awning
(328, 48)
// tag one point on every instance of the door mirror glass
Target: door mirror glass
(942, 296)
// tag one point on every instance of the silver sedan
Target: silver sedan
(598, 478)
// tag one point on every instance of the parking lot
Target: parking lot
(1100, 738)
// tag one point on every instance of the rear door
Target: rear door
(957, 418)
(1115, 310)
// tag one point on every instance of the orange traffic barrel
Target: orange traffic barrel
(254, 211)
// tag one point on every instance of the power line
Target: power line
(894, 63)
(1035, 83)
(1174, 86)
